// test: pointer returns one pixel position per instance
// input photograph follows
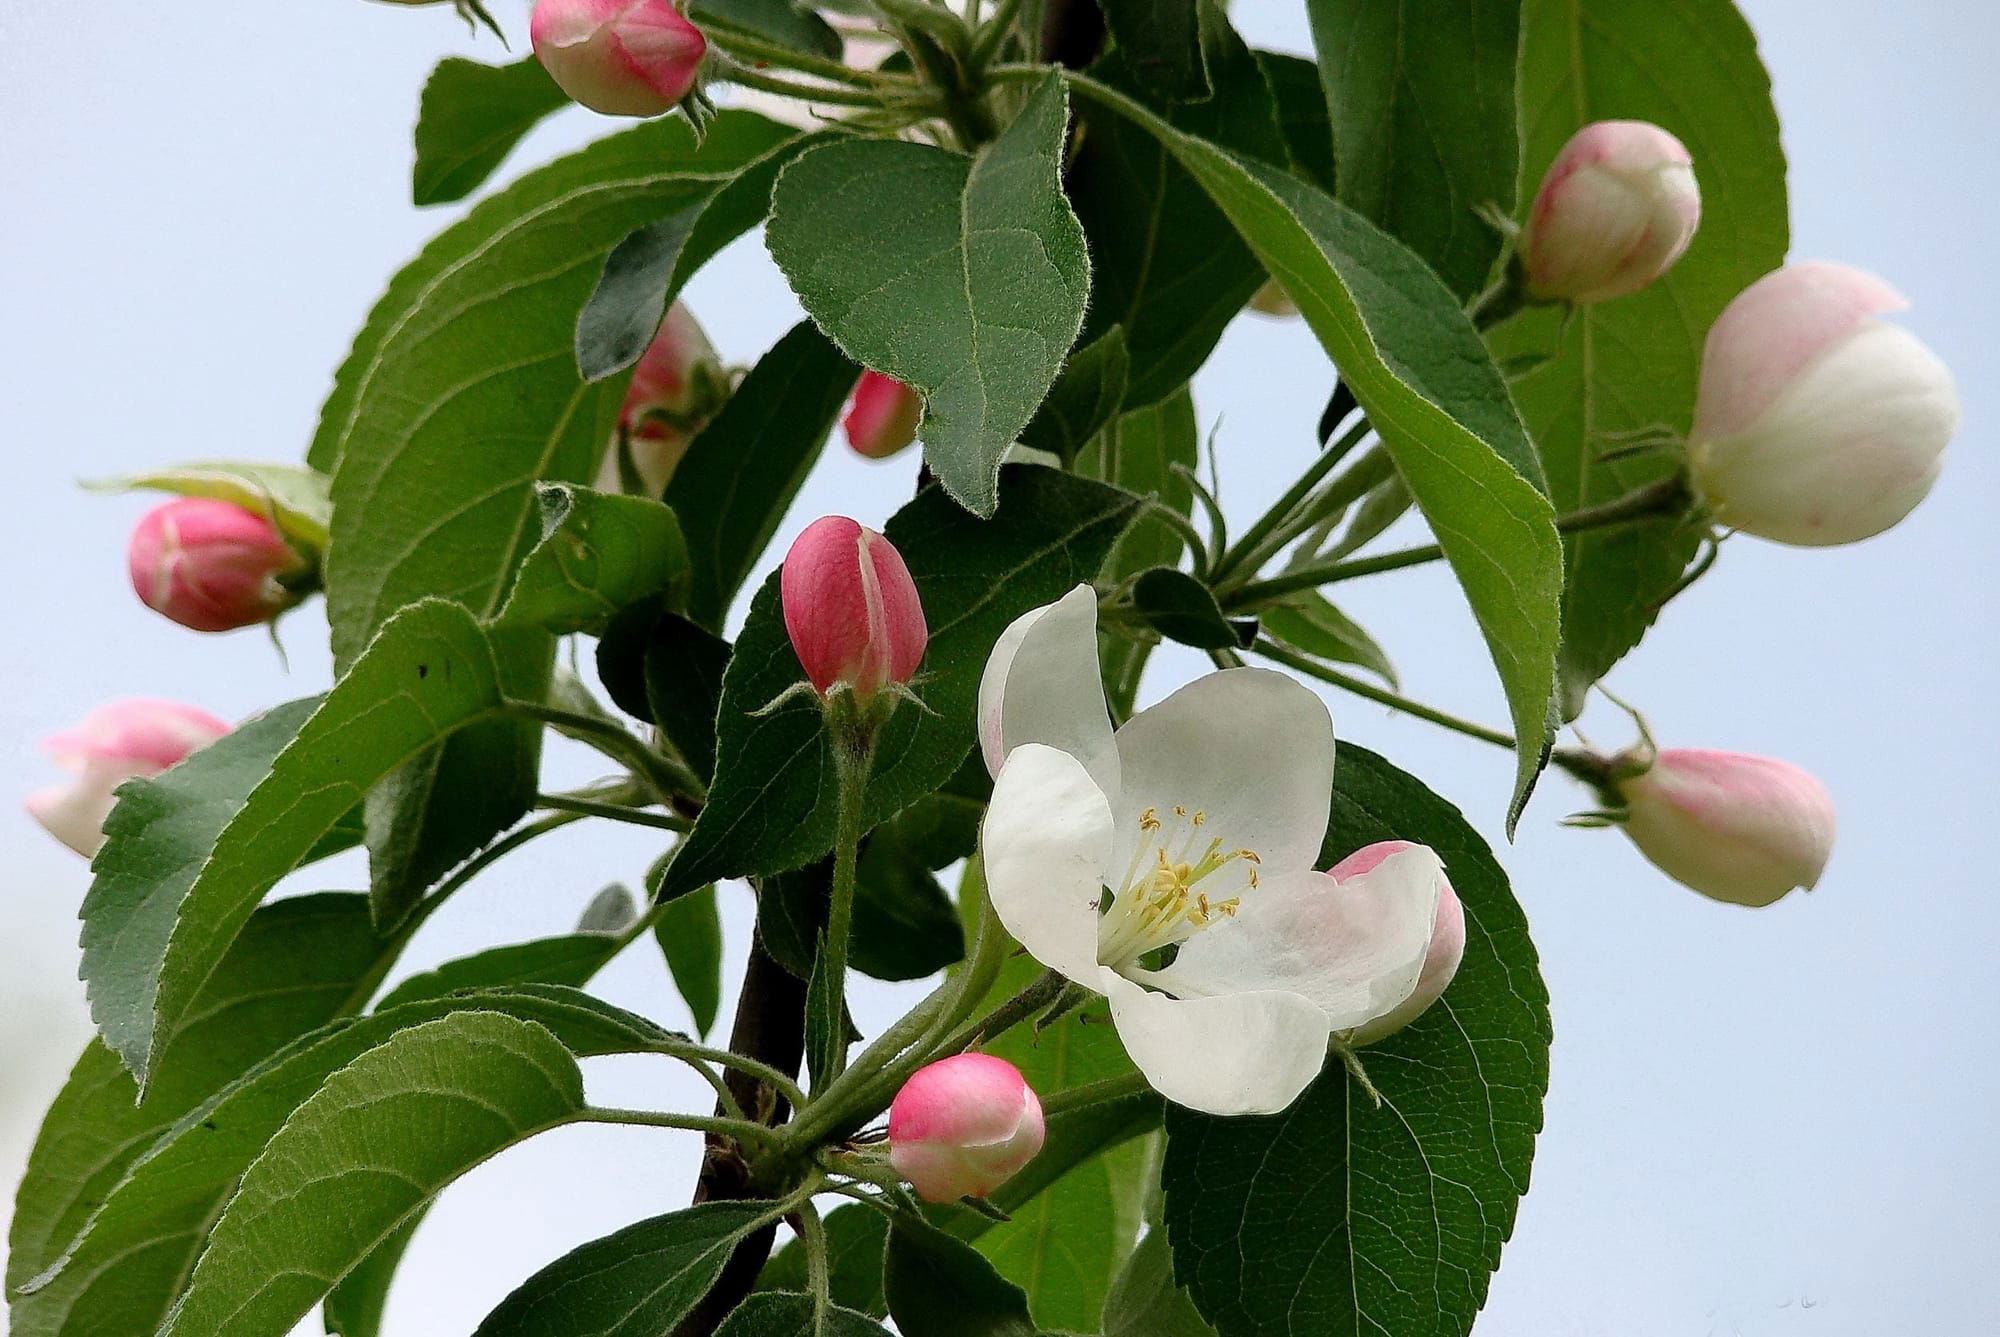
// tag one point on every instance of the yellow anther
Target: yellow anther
(1199, 816)
(1179, 811)
(1149, 820)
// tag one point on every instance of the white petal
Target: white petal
(1242, 1053)
(1042, 685)
(1251, 748)
(1356, 948)
(1047, 842)
(74, 813)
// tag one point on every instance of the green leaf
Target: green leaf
(1302, 115)
(638, 1282)
(938, 1286)
(1145, 1302)
(354, 1308)
(1182, 609)
(189, 855)
(1084, 399)
(778, 21)
(294, 966)
(829, 1025)
(791, 1315)
(1160, 41)
(856, 1235)
(1165, 264)
(689, 932)
(973, 297)
(684, 665)
(771, 807)
(1631, 364)
(125, 1270)
(1415, 363)
(598, 554)
(570, 958)
(1423, 122)
(1315, 626)
(1409, 1202)
(645, 272)
(365, 1153)
(905, 926)
(293, 496)
(470, 118)
(732, 491)
(1139, 453)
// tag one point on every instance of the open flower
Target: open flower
(115, 743)
(1194, 828)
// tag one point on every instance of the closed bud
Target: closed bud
(883, 418)
(1816, 422)
(851, 608)
(212, 565)
(1447, 947)
(677, 386)
(619, 57)
(115, 743)
(1735, 828)
(963, 1126)
(1616, 209)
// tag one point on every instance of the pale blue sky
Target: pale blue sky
(1774, 1122)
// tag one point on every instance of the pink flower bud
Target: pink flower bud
(851, 608)
(1447, 947)
(1735, 828)
(115, 743)
(1616, 209)
(619, 57)
(963, 1126)
(677, 386)
(212, 565)
(1817, 423)
(884, 416)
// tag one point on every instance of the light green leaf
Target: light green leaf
(133, 1259)
(189, 855)
(294, 966)
(470, 118)
(1631, 364)
(1315, 626)
(1422, 107)
(1409, 1202)
(974, 295)
(689, 933)
(367, 1151)
(598, 554)
(1145, 1302)
(639, 1282)
(569, 958)
(296, 498)
(1084, 399)
(782, 21)
(1415, 363)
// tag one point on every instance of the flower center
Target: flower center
(1162, 900)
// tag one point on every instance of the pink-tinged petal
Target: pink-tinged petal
(884, 416)
(1616, 209)
(1735, 828)
(1772, 330)
(619, 57)
(677, 385)
(212, 565)
(74, 813)
(963, 1126)
(146, 735)
(851, 608)
(1441, 962)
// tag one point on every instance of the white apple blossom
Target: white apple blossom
(1194, 826)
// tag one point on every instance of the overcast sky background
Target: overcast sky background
(1776, 1122)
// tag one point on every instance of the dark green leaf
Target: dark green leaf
(732, 491)
(1315, 626)
(645, 272)
(1181, 608)
(572, 958)
(855, 1238)
(791, 1315)
(1145, 1302)
(1423, 121)
(1631, 364)
(771, 807)
(938, 1286)
(1160, 41)
(1165, 264)
(780, 21)
(638, 1282)
(1302, 115)
(354, 1308)
(598, 554)
(829, 1025)
(689, 932)
(905, 926)
(295, 965)
(661, 667)
(189, 855)
(125, 1271)
(1415, 363)
(1084, 399)
(1409, 1202)
(975, 294)
(345, 1171)
(470, 119)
